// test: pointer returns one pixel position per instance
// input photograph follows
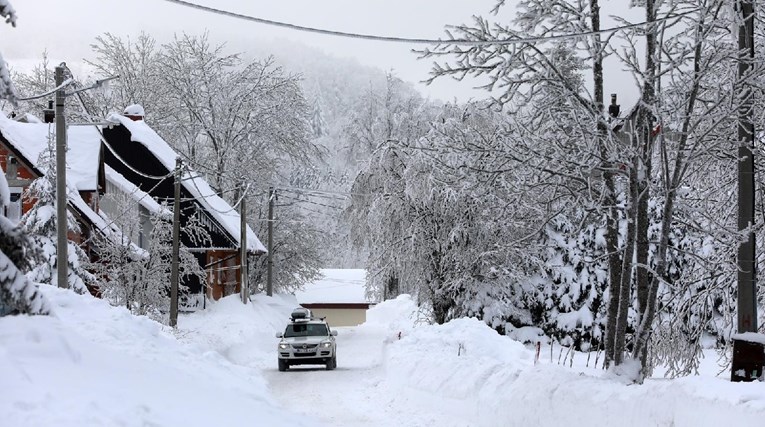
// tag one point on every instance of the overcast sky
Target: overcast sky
(67, 27)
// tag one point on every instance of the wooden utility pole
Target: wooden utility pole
(176, 245)
(747, 362)
(62, 260)
(270, 263)
(243, 245)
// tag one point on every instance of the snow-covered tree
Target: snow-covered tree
(17, 253)
(40, 223)
(572, 286)
(18, 295)
(7, 91)
(139, 279)
(584, 160)
(232, 120)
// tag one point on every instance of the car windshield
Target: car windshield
(305, 330)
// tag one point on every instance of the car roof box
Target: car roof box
(301, 313)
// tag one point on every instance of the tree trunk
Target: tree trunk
(643, 332)
(625, 288)
(609, 197)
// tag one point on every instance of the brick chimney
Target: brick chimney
(134, 112)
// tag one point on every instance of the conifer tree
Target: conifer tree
(17, 294)
(40, 224)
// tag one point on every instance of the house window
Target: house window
(13, 210)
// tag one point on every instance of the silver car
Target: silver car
(307, 341)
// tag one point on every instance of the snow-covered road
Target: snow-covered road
(356, 393)
(91, 364)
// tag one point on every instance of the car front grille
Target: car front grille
(305, 354)
(305, 345)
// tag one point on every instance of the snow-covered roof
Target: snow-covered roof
(340, 286)
(218, 208)
(136, 193)
(31, 139)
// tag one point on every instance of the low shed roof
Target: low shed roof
(337, 286)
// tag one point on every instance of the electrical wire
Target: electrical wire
(311, 202)
(128, 165)
(233, 208)
(420, 40)
(323, 191)
(129, 208)
(66, 83)
(103, 140)
(332, 197)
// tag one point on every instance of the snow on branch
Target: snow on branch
(8, 12)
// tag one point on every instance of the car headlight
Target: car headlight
(283, 346)
(326, 344)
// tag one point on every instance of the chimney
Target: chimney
(11, 168)
(134, 112)
(49, 114)
(614, 108)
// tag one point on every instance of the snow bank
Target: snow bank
(492, 380)
(231, 328)
(95, 365)
(393, 316)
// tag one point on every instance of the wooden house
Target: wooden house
(122, 158)
(138, 154)
(22, 142)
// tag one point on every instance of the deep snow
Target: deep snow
(92, 364)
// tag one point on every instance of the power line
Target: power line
(419, 40)
(193, 178)
(332, 197)
(311, 202)
(341, 193)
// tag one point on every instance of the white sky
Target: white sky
(67, 27)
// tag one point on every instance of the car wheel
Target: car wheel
(283, 365)
(332, 364)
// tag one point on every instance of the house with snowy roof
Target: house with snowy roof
(24, 141)
(116, 159)
(141, 158)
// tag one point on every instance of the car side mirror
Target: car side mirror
(333, 333)
(279, 335)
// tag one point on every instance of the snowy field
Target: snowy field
(95, 365)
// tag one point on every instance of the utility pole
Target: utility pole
(748, 357)
(62, 259)
(270, 263)
(243, 245)
(176, 245)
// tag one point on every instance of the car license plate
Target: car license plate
(304, 350)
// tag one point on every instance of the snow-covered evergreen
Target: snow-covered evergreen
(40, 223)
(18, 295)
(17, 253)
(7, 91)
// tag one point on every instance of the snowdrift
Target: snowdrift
(465, 360)
(91, 364)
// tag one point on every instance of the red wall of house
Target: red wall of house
(23, 172)
(222, 273)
